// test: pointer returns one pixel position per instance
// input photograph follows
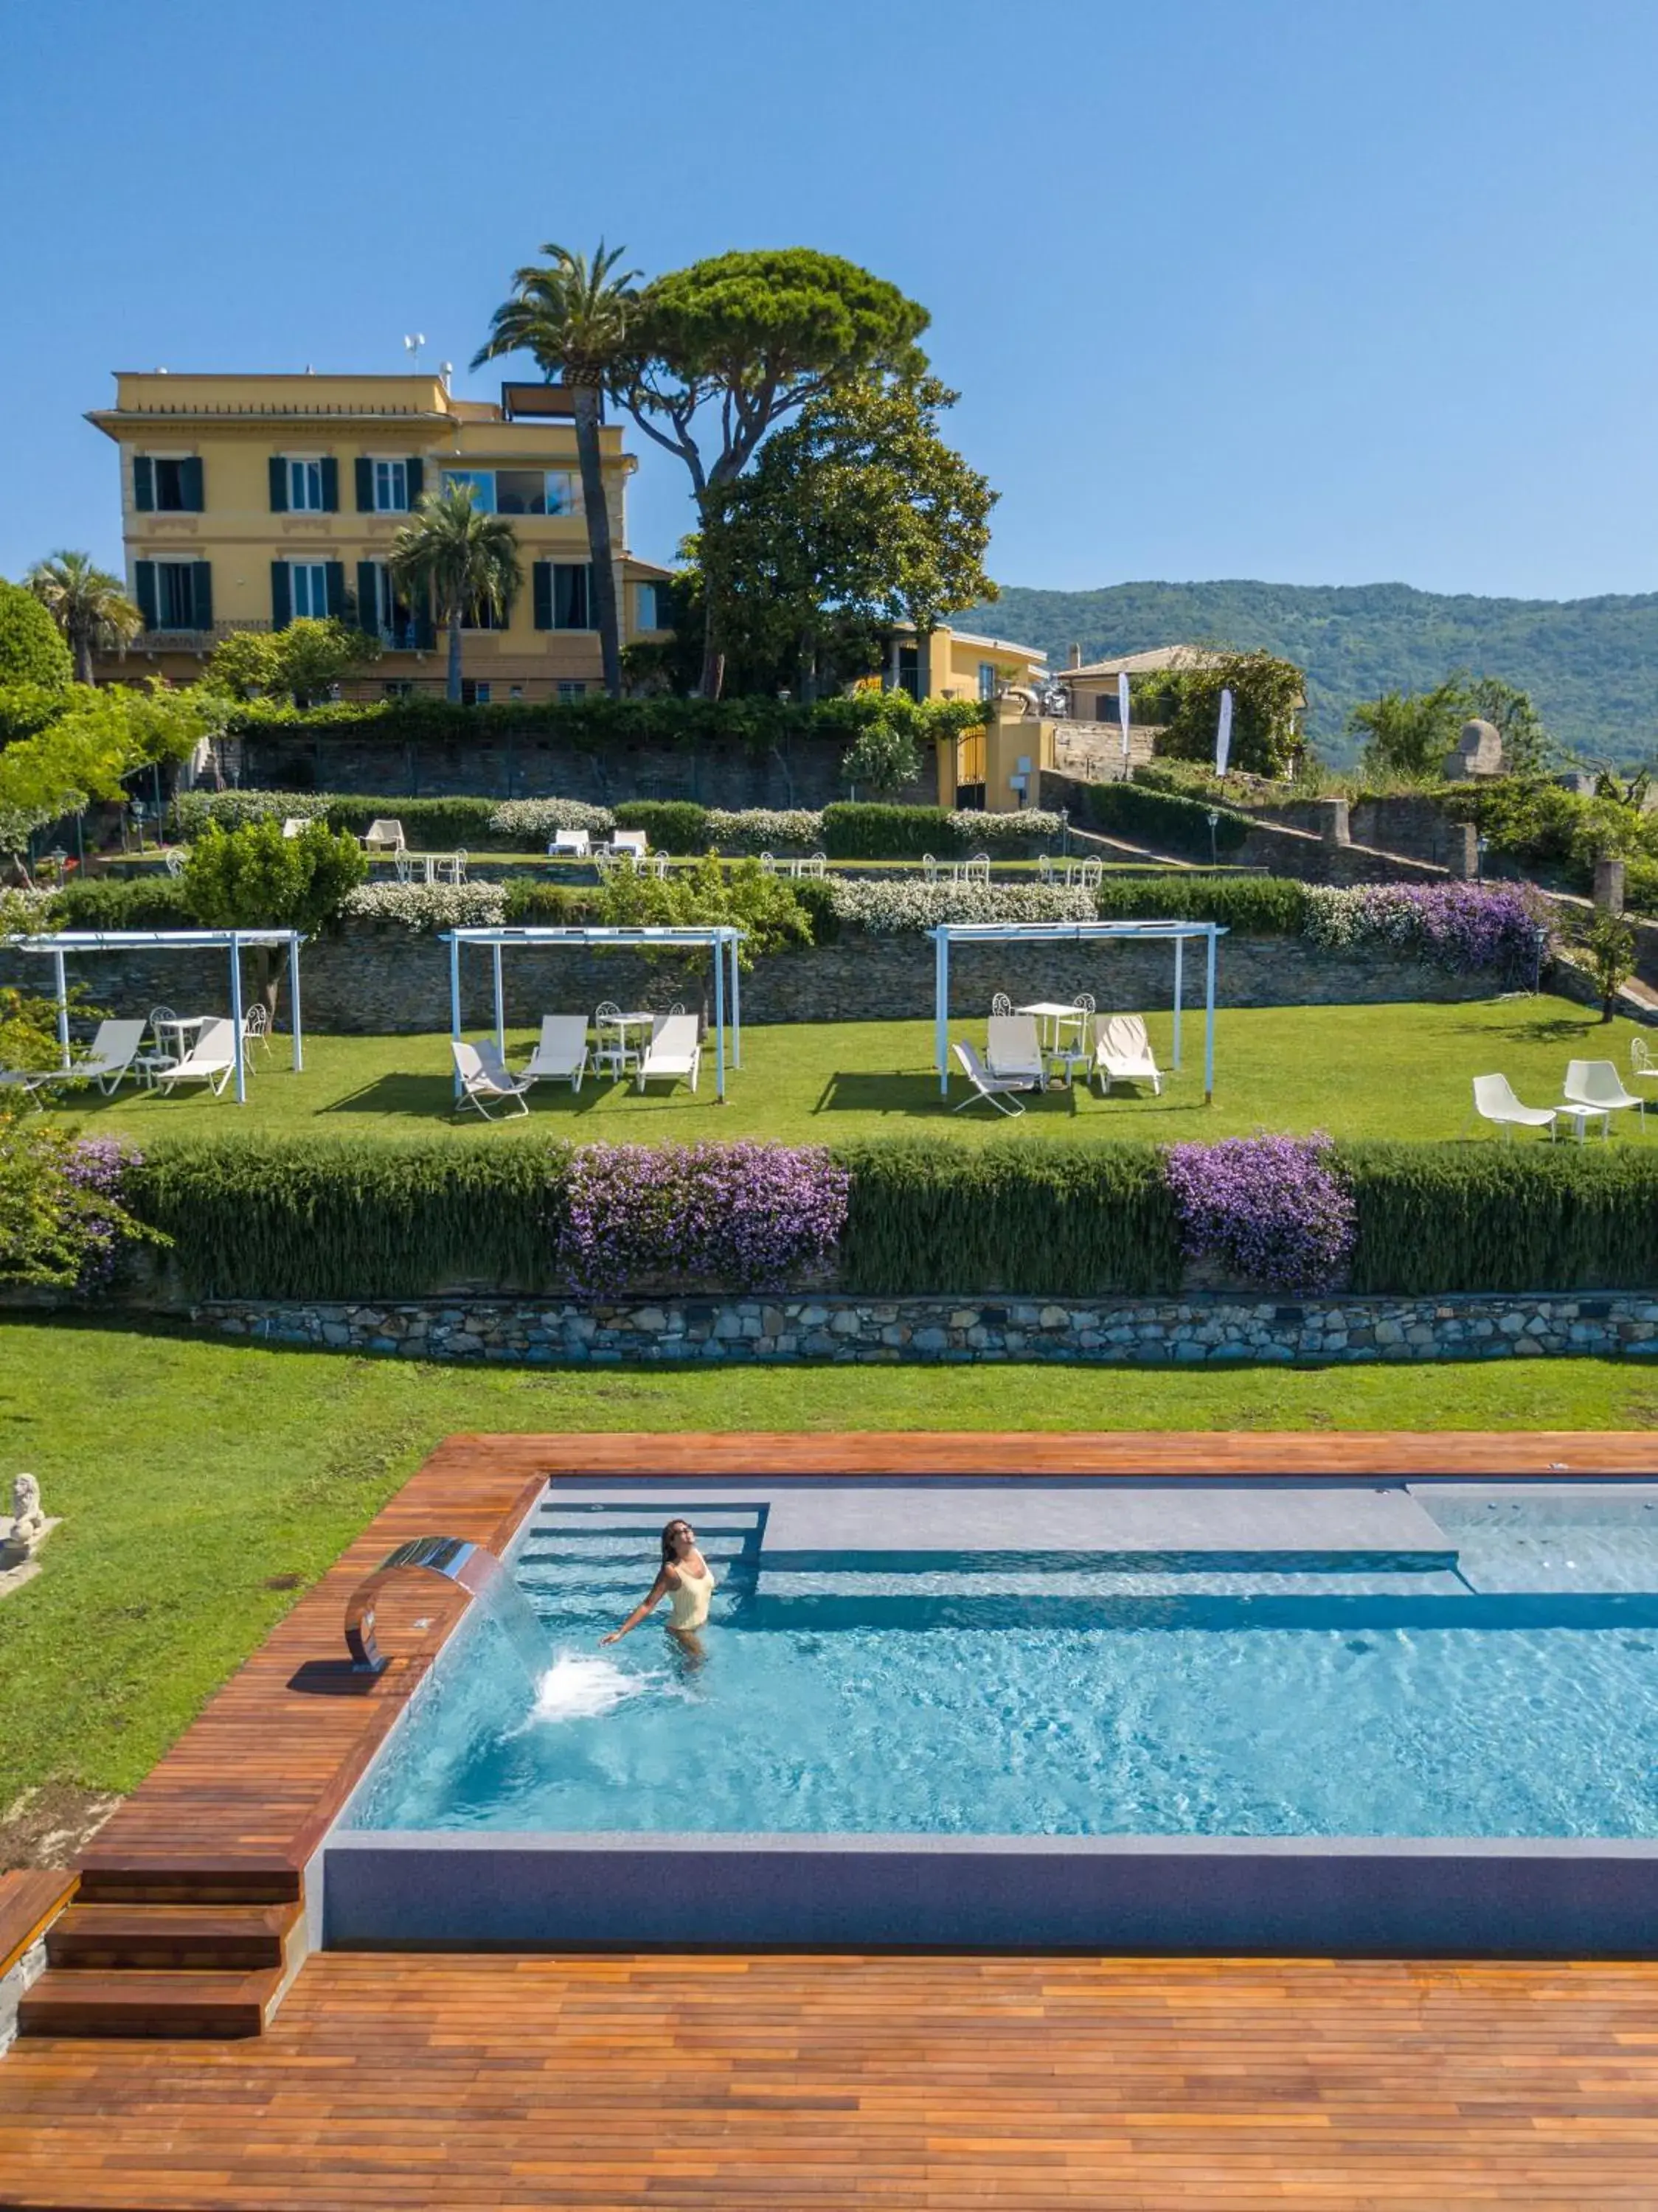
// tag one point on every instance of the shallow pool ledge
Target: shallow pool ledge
(1330, 1896)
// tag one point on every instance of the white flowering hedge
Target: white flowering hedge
(895, 904)
(532, 820)
(763, 828)
(426, 908)
(976, 830)
(193, 811)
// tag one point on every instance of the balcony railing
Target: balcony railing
(165, 637)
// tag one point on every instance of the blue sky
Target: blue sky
(1315, 293)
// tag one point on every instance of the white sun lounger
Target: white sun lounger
(562, 1053)
(570, 845)
(110, 1056)
(674, 1052)
(485, 1075)
(995, 1088)
(629, 840)
(1122, 1053)
(1012, 1048)
(211, 1059)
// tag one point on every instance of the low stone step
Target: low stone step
(240, 1939)
(66, 2002)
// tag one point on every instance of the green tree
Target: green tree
(1527, 748)
(1267, 695)
(736, 343)
(573, 316)
(452, 554)
(81, 755)
(256, 878)
(302, 661)
(90, 607)
(1408, 733)
(1610, 943)
(883, 759)
(855, 516)
(32, 650)
(739, 893)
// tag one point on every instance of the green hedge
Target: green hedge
(857, 831)
(551, 905)
(429, 825)
(1502, 1216)
(330, 1218)
(1160, 818)
(672, 826)
(121, 903)
(1258, 906)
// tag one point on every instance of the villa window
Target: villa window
(987, 679)
(483, 486)
(167, 484)
(391, 487)
(304, 486)
(387, 487)
(650, 603)
(174, 594)
(570, 687)
(307, 583)
(473, 693)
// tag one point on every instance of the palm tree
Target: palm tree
(89, 606)
(453, 555)
(573, 316)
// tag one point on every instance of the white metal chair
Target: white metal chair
(1013, 1047)
(1090, 875)
(110, 1055)
(674, 1052)
(172, 862)
(562, 1054)
(1596, 1084)
(997, 1089)
(1122, 1054)
(930, 871)
(977, 870)
(485, 1076)
(404, 866)
(1643, 1065)
(384, 835)
(768, 864)
(613, 1054)
(256, 1025)
(148, 1064)
(1495, 1101)
(452, 868)
(211, 1059)
(1001, 1004)
(813, 865)
(1043, 869)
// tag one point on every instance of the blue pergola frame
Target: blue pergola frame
(65, 941)
(1180, 934)
(722, 938)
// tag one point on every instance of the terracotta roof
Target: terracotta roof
(1160, 658)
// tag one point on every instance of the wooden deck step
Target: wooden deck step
(166, 2005)
(241, 1938)
(177, 1880)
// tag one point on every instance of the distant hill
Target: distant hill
(1591, 664)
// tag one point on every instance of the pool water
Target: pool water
(1516, 1695)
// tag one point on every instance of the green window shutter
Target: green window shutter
(278, 484)
(144, 585)
(190, 473)
(365, 484)
(330, 485)
(417, 480)
(542, 582)
(143, 485)
(336, 573)
(281, 594)
(367, 610)
(201, 591)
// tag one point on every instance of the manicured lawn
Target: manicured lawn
(202, 1484)
(1398, 1070)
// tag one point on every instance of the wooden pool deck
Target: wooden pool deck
(426, 2080)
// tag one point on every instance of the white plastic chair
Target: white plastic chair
(384, 835)
(211, 1059)
(485, 1075)
(562, 1054)
(1595, 1083)
(1122, 1054)
(997, 1089)
(1495, 1101)
(674, 1052)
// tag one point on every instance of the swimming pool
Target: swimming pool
(946, 1667)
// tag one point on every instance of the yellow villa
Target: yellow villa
(249, 501)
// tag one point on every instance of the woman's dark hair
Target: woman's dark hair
(668, 1539)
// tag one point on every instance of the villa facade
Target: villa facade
(248, 500)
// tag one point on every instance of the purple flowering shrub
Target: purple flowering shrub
(1465, 927)
(64, 1221)
(1269, 1209)
(95, 1169)
(749, 1216)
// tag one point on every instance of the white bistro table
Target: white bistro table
(1057, 1050)
(618, 1025)
(1579, 1116)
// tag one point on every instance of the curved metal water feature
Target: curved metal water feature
(464, 1565)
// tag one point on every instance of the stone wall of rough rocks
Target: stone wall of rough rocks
(1109, 1332)
(384, 981)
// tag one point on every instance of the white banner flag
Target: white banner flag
(1123, 710)
(1223, 735)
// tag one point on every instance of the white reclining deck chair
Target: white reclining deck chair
(294, 825)
(562, 1054)
(1595, 1083)
(211, 1059)
(570, 845)
(1013, 1047)
(995, 1088)
(629, 840)
(1122, 1053)
(485, 1075)
(1495, 1101)
(110, 1055)
(674, 1052)
(383, 835)
(30, 1081)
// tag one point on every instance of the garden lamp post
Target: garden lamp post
(1480, 844)
(1214, 824)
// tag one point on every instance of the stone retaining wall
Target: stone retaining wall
(384, 981)
(1220, 1330)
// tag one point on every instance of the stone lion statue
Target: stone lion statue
(29, 1523)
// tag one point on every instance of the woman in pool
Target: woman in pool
(684, 1577)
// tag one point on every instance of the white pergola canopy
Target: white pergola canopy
(1178, 933)
(722, 938)
(63, 942)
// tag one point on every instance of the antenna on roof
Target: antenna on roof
(445, 370)
(411, 346)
